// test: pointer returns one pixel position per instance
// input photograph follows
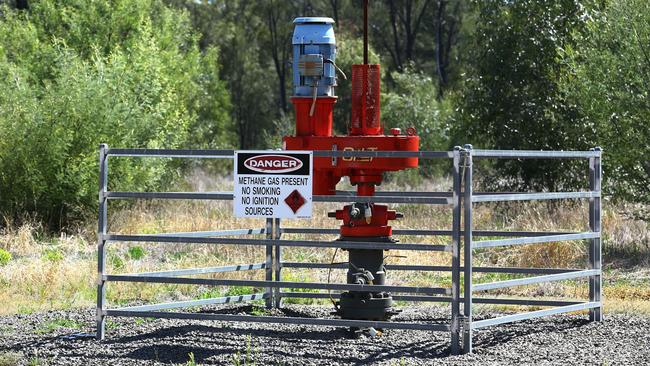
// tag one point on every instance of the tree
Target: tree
(447, 25)
(405, 20)
(609, 82)
(513, 97)
(74, 74)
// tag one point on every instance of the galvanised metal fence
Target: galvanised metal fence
(460, 199)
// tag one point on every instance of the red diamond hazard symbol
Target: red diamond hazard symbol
(295, 200)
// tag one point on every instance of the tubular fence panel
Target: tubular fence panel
(460, 199)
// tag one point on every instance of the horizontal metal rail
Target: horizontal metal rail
(204, 270)
(532, 280)
(172, 153)
(534, 154)
(414, 298)
(198, 302)
(477, 233)
(207, 234)
(220, 196)
(407, 267)
(279, 284)
(399, 193)
(287, 243)
(477, 324)
(228, 196)
(534, 240)
(184, 153)
(282, 320)
(502, 197)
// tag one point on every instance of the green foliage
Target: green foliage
(608, 81)
(239, 290)
(513, 99)
(5, 257)
(210, 293)
(349, 51)
(136, 253)
(52, 254)
(411, 103)
(74, 74)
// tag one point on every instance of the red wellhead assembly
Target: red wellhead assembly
(314, 52)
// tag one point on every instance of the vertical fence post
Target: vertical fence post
(595, 251)
(467, 254)
(278, 263)
(268, 264)
(455, 261)
(101, 242)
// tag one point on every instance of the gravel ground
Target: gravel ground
(45, 339)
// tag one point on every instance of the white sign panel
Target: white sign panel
(273, 184)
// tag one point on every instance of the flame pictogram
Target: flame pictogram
(295, 200)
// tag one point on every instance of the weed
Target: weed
(5, 257)
(191, 362)
(55, 324)
(248, 358)
(239, 290)
(116, 261)
(210, 293)
(111, 324)
(140, 321)
(52, 254)
(10, 358)
(136, 253)
(6, 330)
(259, 311)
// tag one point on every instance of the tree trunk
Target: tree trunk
(22, 4)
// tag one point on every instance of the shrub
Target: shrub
(52, 254)
(5, 257)
(136, 253)
(74, 74)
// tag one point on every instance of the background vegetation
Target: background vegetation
(532, 74)
(527, 74)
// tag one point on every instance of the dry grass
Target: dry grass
(60, 272)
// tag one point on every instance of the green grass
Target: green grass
(55, 324)
(247, 358)
(191, 361)
(239, 290)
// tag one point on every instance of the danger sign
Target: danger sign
(273, 184)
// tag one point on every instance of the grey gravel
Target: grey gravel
(621, 339)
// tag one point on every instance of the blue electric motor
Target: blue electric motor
(314, 54)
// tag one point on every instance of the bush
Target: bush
(136, 253)
(74, 74)
(52, 254)
(608, 81)
(5, 257)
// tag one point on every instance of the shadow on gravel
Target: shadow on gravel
(326, 345)
(502, 334)
(173, 345)
(215, 343)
